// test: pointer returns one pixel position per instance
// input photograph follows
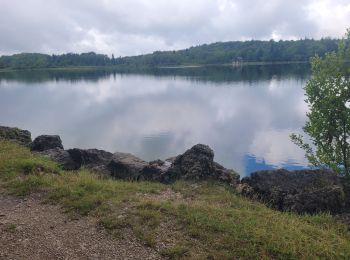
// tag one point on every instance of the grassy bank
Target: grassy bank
(193, 220)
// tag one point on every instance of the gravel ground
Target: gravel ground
(30, 229)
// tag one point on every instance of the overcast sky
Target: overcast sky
(129, 27)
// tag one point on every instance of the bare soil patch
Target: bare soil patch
(31, 229)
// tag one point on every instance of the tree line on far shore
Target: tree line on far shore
(216, 53)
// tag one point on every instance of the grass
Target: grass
(175, 252)
(207, 220)
(11, 228)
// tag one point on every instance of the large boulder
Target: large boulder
(22, 137)
(126, 166)
(195, 164)
(62, 157)
(74, 159)
(198, 163)
(330, 198)
(90, 158)
(46, 142)
(155, 170)
(304, 191)
(226, 175)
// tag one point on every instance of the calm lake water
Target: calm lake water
(245, 114)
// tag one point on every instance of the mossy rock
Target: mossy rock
(17, 135)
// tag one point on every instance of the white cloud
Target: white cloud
(331, 17)
(267, 144)
(138, 26)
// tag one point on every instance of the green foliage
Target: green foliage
(37, 60)
(11, 228)
(227, 52)
(328, 97)
(216, 53)
(203, 221)
(175, 252)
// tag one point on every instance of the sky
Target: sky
(132, 27)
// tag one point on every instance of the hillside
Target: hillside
(228, 52)
(202, 220)
(216, 53)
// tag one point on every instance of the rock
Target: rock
(46, 142)
(226, 175)
(245, 189)
(308, 191)
(126, 166)
(155, 170)
(291, 181)
(346, 188)
(22, 137)
(170, 160)
(90, 158)
(62, 157)
(198, 163)
(320, 200)
(74, 159)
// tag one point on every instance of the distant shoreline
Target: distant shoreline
(182, 66)
(87, 68)
(246, 63)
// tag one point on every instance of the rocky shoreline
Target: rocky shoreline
(196, 163)
(304, 191)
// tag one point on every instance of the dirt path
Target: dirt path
(30, 229)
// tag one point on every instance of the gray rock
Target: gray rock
(126, 166)
(245, 190)
(308, 191)
(46, 142)
(198, 163)
(226, 175)
(62, 157)
(90, 158)
(155, 170)
(327, 199)
(195, 164)
(22, 137)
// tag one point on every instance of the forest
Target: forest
(215, 53)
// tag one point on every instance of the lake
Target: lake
(245, 114)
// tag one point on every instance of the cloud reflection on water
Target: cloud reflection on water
(157, 117)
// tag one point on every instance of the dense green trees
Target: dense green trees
(328, 99)
(227, 52)
(216, 53)
(37, 60)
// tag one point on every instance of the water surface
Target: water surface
(245, 114)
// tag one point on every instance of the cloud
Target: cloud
(140, 26)
(267, 145)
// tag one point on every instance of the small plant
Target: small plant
(11, 228)
(175, 252)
